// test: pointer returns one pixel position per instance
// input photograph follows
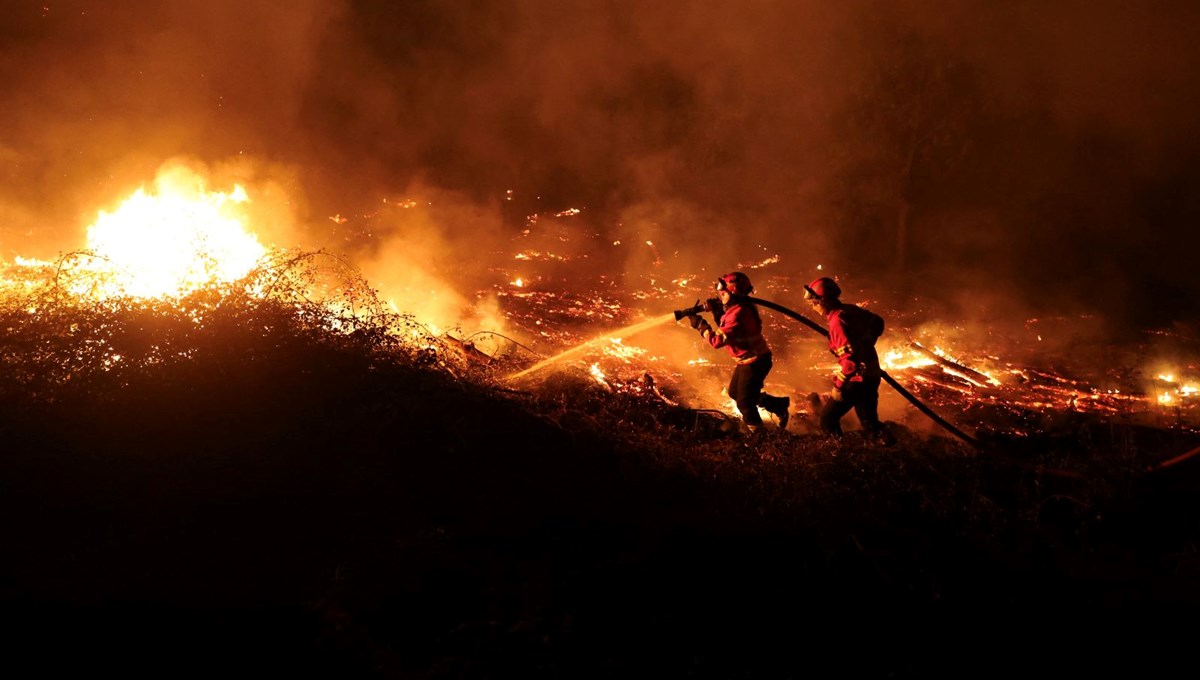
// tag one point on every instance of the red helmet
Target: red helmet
(822, 289)
(736, 283)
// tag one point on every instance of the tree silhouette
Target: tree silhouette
(905, 130)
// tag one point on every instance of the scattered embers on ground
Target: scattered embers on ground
(255, 494)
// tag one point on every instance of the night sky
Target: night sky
(1042, 153)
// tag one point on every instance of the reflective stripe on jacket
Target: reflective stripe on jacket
(852, 335)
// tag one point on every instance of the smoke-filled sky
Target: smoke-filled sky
(1039, 152)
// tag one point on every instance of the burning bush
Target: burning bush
(60, 337)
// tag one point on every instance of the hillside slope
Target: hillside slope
(292, 502)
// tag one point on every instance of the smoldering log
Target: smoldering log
(969, 373)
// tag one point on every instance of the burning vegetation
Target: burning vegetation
(379, 376)
(181, 254)
(179, 387)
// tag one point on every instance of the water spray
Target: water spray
(620, 333)
(714, 305)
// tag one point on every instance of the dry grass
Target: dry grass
(237, 483)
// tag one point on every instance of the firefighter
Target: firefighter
(852, 335)
(739, 331)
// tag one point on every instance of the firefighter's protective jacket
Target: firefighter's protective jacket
(739, 331)
(852, 335)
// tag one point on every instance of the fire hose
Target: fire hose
(705, 306)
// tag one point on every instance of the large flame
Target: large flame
(178, 239)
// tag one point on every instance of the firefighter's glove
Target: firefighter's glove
(839, 383)
(697, 322)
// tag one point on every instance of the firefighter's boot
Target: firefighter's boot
(779, 407)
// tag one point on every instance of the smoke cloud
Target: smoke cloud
(1023, 158)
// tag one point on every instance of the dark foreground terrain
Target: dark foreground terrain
(277, 502)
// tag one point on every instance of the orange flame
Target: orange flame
(179, 239)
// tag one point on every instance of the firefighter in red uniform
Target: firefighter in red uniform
(739, 331)
(852, 335)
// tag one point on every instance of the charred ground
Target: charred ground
(243, 491)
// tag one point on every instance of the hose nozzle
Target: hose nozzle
(709, 305)
(695, 309)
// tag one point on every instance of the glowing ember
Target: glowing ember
(599, 376)
(1173, 390)
(896, 359)
(620, 350)
(178, 240)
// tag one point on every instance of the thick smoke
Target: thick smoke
(1039, 154)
